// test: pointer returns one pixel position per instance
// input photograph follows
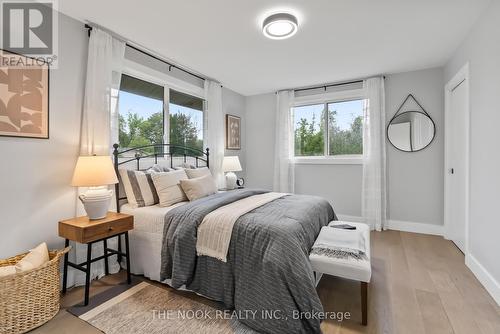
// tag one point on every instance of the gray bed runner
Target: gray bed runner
(267, 271)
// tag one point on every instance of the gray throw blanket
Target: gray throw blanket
(267, 268)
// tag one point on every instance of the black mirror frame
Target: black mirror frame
(407, 112)
(397, 113)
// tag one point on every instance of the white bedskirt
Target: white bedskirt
(146, 239)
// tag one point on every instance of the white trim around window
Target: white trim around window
(354, 159)
(329, 97)
(147, 74)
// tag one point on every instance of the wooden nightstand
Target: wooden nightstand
(86, 231)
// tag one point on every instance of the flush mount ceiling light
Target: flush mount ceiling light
(280, 26)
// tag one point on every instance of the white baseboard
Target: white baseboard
(415, 227)
(487, 280)
(399, 225)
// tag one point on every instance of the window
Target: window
(345, 127)
(329, 129)
(141, 113)
(309, 129)
(142, 118)
(186, 120)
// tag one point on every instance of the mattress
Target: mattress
(146, 239)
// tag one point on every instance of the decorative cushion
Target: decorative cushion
(7, 270)
(198, 172)
(34, 259)
(168, 187)
(199, 187)
(186, 165)
(139, 188)
(359, 270)
(157, 168)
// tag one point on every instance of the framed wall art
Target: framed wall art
(233, 132)
(24, 96)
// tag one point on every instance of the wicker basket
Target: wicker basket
(31, 298)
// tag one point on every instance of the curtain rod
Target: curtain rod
(326, 86)
(89, 28)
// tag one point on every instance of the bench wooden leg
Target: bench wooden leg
(364, 303)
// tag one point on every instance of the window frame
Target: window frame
(325, 99)
(158, 78)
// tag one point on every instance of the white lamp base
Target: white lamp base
(230, 180)
(96, 202)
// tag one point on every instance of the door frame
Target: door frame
(461, 76)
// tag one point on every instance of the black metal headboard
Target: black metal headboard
(155, 151)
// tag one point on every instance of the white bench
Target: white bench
(354, 269)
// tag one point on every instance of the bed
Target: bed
(266, 277)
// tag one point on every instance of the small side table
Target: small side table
(85, 231)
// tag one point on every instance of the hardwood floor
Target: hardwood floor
(420, 284)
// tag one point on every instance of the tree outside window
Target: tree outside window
(343, 121)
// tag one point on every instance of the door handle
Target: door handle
(452, 171)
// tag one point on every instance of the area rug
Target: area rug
(145, 308)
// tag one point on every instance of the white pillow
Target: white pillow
(168, 187)
(199, 187)
(7, 270)
(198, 172)
(34, 259)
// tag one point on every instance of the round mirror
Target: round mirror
(411, 131)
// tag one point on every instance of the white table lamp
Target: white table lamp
(95, 172)
(230, 165)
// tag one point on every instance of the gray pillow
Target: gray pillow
(157, 168)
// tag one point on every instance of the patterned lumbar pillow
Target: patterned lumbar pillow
(139, 188)
(168, 187)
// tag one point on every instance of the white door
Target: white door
(457, 149)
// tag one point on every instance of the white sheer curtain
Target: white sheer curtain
(214, 132)
(99, 126)
(100, 117)
(284, 167)
(374, 193)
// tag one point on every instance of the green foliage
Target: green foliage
(135, 131)
(183, 132)
(309, 140)
(346, 141)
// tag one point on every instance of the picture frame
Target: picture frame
(233, 132)
(24, 97)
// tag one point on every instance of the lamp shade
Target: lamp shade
(94, 171)
(231, 164)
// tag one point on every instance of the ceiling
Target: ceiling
(337, 39)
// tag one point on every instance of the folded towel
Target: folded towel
(340, 243)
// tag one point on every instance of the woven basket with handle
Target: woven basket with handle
(31, 298)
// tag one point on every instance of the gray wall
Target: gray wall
(234, 104)
(482, 50)
(415, 181)
(35, 191)
(260, 129)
